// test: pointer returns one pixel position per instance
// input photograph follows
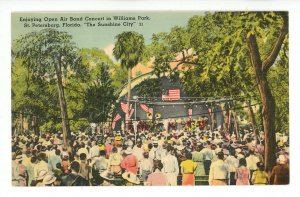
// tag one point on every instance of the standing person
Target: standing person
(146, 166)
(30, 169)
(252, 161)
(54, 159)
(242, 174)
(114, 161)
(130, 162)
(94, 151)
(199, 159)
(74, 179)
(260, 177)
(219, 172)
(84, 167)
(19, 172)
(99, 164)
(208, 156)
(188, 168)
(157, 178)
(170, 166)
(281, 172)
(41, 165)
(232, 163)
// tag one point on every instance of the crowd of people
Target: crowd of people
(164, 158)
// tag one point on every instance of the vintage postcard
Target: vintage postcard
(164, 98)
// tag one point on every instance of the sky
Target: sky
(102, 37)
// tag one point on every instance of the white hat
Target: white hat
(42, 174)
(132, 178)
(281, 159)
(128, 151)
(48, 179)
(107, 175)
(180, 148)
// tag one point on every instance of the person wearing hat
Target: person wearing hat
(19, 172)
(114, 161)
(260, 176)
(99, 164)
(281, 172)
(219, 172)
(130, 162)
(74, 179)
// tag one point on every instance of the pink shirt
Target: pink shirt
(130, 164)
(157, 178)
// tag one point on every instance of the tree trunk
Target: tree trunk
(252, 118)
(63, 107)
(268, 103)
(236, 128)
(128, 99)
(22, 123)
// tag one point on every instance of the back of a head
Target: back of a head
(75, 166)
(157, 165)
(242, 162)
(82, 156)
(57, 152)
(188, 155)
(220, 155)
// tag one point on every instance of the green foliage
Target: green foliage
(214, 47)
(149, 88)
(129, 48)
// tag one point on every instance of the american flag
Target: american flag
(116, 118)
(173, 94)
(145, 108)
(124, 107)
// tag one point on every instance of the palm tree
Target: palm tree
(129, 49)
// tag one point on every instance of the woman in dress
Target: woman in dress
(188, 168)
(242, 173)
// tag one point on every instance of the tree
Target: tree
(232, 53)
(51, 55)
(129, 49)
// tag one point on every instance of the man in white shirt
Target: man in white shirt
(219, 172)
(138, 150)
(233, 164)
(207, 156)
(94, 151)
(146, 166)
(170, 166)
